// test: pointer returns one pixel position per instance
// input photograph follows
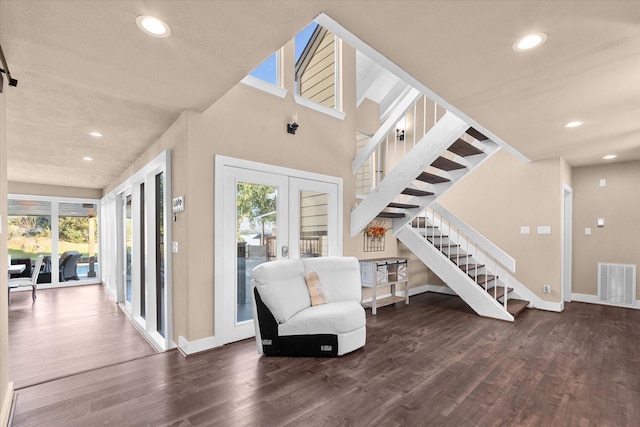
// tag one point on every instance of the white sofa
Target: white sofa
(288, 325)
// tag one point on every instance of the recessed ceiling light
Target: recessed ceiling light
(529, 42)
(87, 158)
(96, 134)
(572, 124)
(153, 26)
(609, 156)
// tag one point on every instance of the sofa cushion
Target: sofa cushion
(332, 318)
(340, 277)
(315, 288)
(282, 287)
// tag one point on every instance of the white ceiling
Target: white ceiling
(85, 66)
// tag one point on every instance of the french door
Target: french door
(269, 216)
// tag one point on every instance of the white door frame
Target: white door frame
(567, 225)
(221, 270)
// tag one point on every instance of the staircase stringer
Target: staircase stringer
(475, 296)
(489, 148)
(434, 142)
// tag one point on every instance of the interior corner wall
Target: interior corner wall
(5, 392)
(504, 194)
(618, 203)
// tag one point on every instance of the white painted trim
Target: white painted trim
(326, 22)
(264, 86)
(593, 299)
(6, 405)
(318, 107)
(192, 347)
(441, 290)
(566, 236)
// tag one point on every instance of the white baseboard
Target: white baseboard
(593, 299)
(5, 412)
(192, 347)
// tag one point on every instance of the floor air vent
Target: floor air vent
(617, 284)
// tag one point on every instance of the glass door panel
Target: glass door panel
(30, 236)
(128, 247)
(256, 232)
(254, 202)
(78, 232)
(314, 218)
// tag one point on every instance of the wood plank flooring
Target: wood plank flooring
(432, 363)
(66, 331)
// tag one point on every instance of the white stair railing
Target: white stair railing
(469, 250)
(404, 128)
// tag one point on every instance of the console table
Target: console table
(379, 272)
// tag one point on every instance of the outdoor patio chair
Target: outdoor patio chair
(32, 281)
(68, 266)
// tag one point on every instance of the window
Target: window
(268, 71)
(55, 228)
(316, 71)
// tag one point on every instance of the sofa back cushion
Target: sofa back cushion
(282, 287)
(339, 276)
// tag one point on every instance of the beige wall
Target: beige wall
(54, 190)
(619, 204)
(506, 193)
(248, 124)
(4, 330)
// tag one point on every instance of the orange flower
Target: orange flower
(375, 229)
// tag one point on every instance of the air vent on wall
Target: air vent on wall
(617, 284)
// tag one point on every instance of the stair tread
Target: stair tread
(391, 215)
(516, 306)
(467, 267)
(454, 256)
(447, 165)
(476, 134)
(420, 222)
(415, 192)
(431, 178)
(499, 292)
(463, 149)
(481, 279)
(402, 205)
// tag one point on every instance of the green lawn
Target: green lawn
(28, 247)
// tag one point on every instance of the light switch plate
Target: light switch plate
(174, 247)
(587, 231)
(603, 183)
(600, 222)
(544, 229)
(525, 229)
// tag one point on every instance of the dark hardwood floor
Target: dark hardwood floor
(66, 331)
(433, 363)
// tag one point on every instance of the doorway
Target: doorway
(267, 213)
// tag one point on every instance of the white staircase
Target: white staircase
(416, 174)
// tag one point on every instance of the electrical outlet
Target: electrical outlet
(546, 289)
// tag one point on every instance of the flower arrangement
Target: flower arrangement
(375, 229)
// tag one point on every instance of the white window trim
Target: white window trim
(264, 86)
(318, 107)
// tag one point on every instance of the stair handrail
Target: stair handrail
(481, 241)
(408, 99)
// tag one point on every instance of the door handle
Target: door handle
(285, 251)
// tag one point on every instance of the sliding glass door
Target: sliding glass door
(64, 230)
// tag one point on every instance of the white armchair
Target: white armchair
(287, 323)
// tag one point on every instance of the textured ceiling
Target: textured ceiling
(85, 66)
